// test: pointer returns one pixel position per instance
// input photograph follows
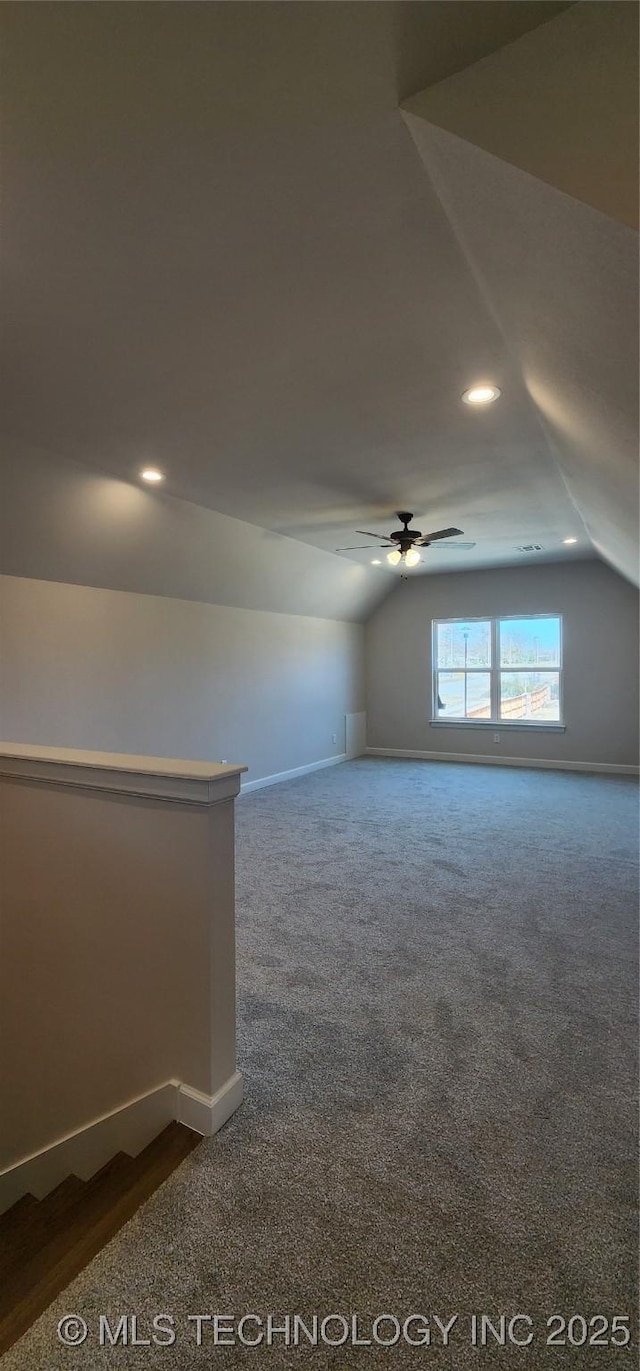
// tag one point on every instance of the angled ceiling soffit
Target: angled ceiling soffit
(558, 273)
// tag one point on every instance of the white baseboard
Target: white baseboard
(127, 1129)
(206, 1113)
(480, 759)
(289, 775)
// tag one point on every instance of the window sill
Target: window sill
(498, 726)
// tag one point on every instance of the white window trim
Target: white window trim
(495, 670)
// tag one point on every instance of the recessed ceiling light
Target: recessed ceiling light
(151, 474)
(481, 395)
(376, 562)
(569, 540)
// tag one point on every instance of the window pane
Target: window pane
(463, 645)
(529, 642)
(530, 695)
(464, 695)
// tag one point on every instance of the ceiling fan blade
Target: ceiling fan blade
(441, 533)
(451, 547)
(361, 547)
(366, 533)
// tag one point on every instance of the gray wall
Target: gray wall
(136, 988)
(137, 622)
(62, 521)
(600, 613)
(116, 671)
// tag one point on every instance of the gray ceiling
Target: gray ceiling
(228, 251)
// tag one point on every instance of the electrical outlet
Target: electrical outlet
(334, 737)
(496, 737)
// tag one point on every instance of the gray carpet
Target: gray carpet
(437, 977)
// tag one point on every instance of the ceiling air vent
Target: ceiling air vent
(530, 547)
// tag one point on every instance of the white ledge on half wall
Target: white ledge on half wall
(161, 778)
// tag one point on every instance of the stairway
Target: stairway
(45, 1243)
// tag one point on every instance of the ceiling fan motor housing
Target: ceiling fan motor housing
(403, 537)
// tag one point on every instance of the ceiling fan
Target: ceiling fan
(404, 543)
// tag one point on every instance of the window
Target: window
(506, 671)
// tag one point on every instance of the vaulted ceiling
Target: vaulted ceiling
(267, 246)
(533, 153)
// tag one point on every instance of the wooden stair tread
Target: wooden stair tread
(31, 1227)
(117, 1189)
(18, 1214)
(117, 1166)
(108, 1200)
(175, 1142)
(25, 1229)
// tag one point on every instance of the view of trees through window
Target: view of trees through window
(500, 670)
